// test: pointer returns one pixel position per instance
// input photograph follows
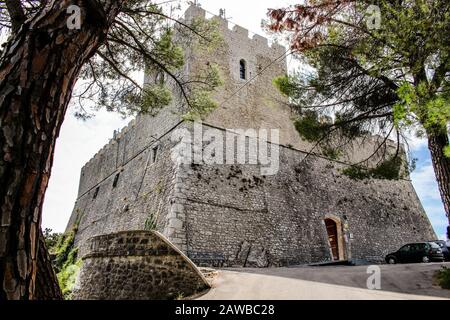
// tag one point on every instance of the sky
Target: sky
(80, 140)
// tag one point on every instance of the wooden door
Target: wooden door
(332, 237)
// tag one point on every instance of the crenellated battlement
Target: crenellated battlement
(256, 41)
(112, 142)
(240, 31)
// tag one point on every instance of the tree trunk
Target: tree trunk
(38, 71)
(441, 164)
(47, 287)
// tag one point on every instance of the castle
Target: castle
(232, 214)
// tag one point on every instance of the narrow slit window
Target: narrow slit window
(116, 180)
(96, 192)
(243, 69)
(154, 154)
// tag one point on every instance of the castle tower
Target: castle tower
(248, 98)
(231, 214)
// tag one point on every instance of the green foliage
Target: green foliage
(211, 37)
(390, 169)
(151, 223)
(67, 278)
(374, 80)
(146, 37)
(443, 277)
(64, 260)
(331, 153)
(447, 151)
(309, 126)
(201, 103)
(197, 94)
(154, 98)
(168, 52)
(51, 238)
(286, 85)
(63, 248)
(438, 113)
(212, 76)
(200, 100)
(415, 104)
(356, 173)
(349, 128)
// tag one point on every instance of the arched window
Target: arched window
(243, 69)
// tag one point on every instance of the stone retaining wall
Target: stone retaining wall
(136, 265)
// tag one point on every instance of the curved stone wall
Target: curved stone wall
(136, 265)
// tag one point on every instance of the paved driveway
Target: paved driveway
(402, 281)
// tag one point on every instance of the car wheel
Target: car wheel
(391, 260)
(425, 259)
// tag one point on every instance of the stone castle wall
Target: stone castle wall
(136, 265)
(231, 215)
(255, 102)
(236, 217)
(125, 146)
(142, 190)
(255, 105)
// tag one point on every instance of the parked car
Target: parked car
(416, 252)
(444, 248)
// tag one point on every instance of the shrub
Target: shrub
(389, 169)
(64, 259)
(443, 277)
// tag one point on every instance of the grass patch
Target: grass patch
(443, 278)
(65, 259)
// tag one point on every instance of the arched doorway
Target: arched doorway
(333, 239)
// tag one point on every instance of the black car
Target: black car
(444, 248)
(416, 252)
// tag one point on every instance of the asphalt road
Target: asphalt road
(401, 281)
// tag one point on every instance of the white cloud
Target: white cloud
(436, 214)
(417, 143)
(425, 182)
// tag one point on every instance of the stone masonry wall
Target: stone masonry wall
(123, 148)
(255, 102)
(143, 191)
(232, 215)
(236, 217)
(136, 265)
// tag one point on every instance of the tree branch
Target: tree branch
(16, 14)
(120, 72)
